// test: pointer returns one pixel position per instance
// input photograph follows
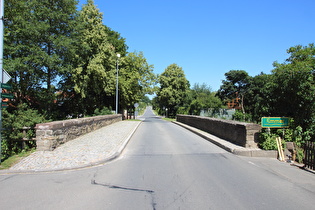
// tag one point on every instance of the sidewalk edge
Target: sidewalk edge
(111, 157)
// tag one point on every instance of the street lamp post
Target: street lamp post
(118, 56)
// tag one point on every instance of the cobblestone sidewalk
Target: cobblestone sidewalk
(90, 149)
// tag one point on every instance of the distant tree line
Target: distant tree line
(289, 91)
(175, 96)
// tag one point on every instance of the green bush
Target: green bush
(299, 154)
(267, 141)
(182, 110)
(240, 116)
(104, 111)
(13, 122)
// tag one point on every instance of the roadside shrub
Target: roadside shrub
(182, 110)
(104, 111)
(267, 141)
(13, 122)
(299, 154)
(240, 116)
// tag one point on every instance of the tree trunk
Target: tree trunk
(242, 106)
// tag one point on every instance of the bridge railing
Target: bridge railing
(240, 133)
(52, 134)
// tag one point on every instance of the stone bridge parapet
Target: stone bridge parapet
(239, 133)
(52, 134)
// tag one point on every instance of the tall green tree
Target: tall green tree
(203, 99)
(173, 89)
(96, 56)
(94, 72)
(293, 83)
(136, 79)
(258, 98)
(117, 41)
(37, 39)
(235, 85)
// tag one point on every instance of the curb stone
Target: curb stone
(111, 156)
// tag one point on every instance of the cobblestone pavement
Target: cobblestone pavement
(90, 149)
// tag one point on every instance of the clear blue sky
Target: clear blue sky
(207, 38)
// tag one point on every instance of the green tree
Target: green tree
(173, 89)
(117, 41)
(203, 99)
(293, 87)
(37, 39)
(136, 79)
(94, 61)
(258, 100)
(146, 100)
(236, 84)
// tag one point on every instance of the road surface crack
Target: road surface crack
(150, 192)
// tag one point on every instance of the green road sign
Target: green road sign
(6, 86)
(274, 122)
(4, 104)
(7, 95)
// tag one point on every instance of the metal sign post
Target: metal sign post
(1, 66)
(136, 110)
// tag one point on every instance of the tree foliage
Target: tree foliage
(136, 79)
(95, 70)
(202, 98)
(235, 85)
(293, 86)
(173, 89)
(174, 95)
(258, 99)
(63, 60)
(288, 91)
(37, 39)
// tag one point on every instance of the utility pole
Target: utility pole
(1, 67)
(118, 56)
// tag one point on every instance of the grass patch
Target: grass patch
(155, 112)
(141, 111)
(15, 159)
(169, 119)
(132, 120)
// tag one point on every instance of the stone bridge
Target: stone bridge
(50, 135)
(239, 133)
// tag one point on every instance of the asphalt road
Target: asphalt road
(165, 166)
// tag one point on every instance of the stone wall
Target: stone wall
(242, 134)
(50, 135)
